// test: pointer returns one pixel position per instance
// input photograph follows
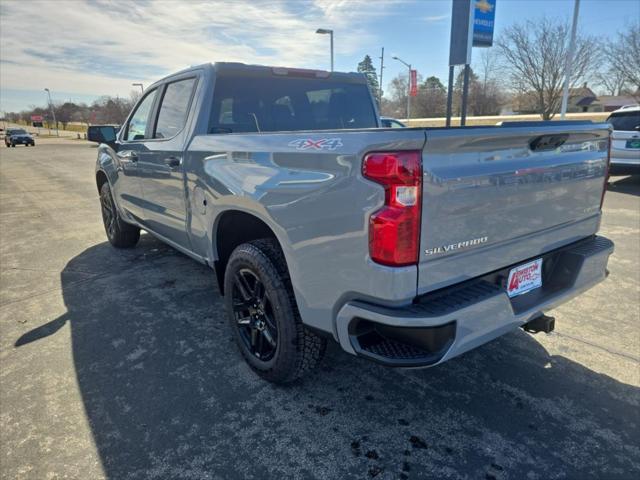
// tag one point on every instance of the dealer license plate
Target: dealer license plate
(524, 278)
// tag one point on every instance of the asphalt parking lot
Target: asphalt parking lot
(119, 365)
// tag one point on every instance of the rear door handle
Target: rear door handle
(173, 162)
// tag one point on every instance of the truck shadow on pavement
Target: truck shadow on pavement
(167, 394)
(629, 185)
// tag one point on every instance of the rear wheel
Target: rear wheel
(264, 316)
(119, 233)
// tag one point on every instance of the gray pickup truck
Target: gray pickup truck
(406, 246)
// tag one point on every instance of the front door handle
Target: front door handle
(173, 162)
(128, 155)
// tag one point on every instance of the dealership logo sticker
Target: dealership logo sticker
(319, 144)
(524, 278)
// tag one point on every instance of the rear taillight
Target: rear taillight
(394, 230)
(606, 173)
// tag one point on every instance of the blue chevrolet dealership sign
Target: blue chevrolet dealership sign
(484, 19)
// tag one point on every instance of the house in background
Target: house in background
(609, 103)
(582, 99)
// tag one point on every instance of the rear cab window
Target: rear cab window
(174, 108)
(625, 121)
(277, 103)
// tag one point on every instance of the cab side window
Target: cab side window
(174, 108)
(138, 122)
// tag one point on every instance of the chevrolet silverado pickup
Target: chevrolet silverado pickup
(407, 246)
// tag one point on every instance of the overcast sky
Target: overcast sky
(82, 49)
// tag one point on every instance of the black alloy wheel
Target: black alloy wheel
(108, 215)
(254, 315)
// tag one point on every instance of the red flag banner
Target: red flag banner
(413, 85)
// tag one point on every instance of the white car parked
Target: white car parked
(625, 146)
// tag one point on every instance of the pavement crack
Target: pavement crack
(628, 356)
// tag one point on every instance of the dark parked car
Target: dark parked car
(18, 136)
(388, 122)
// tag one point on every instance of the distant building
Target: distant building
(609, 103)
(581, 99)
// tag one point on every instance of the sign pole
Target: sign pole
(380, 84)
(465, 96)
(450, 95)
(472, 23)
(409, 92)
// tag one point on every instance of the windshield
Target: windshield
(254, 104)
(17, 132)
(628, 121)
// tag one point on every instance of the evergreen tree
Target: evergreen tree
(366, 67)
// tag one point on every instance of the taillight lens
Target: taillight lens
(394, 230)
(606, 174)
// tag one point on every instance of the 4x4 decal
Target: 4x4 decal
(319, 144)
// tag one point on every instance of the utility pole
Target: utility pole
(380, 83)
(569, 60)
(53, 113)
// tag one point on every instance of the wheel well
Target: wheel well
(235, 228)
(101, 178)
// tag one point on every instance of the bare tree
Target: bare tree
(396, 104)
(535, 55)
(624, 55)
(612, 80)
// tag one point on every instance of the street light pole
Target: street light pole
(569, 60)
(327, 31)
(53, 113)
(408, 65)
(138, 85)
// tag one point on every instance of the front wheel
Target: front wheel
(264, 316)
(119, 233)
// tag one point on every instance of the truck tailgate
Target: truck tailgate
(493, 197)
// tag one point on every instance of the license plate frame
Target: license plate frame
(524, 278)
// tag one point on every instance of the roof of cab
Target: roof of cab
(627, 108)
(263, 70)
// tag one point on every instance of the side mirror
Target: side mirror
(102, 133)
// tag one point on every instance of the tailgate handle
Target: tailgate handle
(548, 142)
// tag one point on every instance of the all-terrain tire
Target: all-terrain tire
(120, 233)
(298, 350)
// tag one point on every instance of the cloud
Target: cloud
(101, 47)
(435, 18)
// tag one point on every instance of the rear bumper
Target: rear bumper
(446, 323)
(624, 162)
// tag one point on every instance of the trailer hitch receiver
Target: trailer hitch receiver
(543, 323)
